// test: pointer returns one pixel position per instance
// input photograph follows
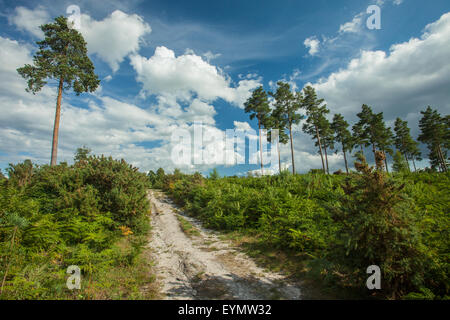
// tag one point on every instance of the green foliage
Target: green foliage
(339, 225)
(61, 55)
(20, 174)
(400, 164)
(435, 133)
(82, 153)
(379, 228)
(258, 105)
(55, 216)
(316, 122)
(342, 135)
(157, 179)
(404, 142)
(214, 174)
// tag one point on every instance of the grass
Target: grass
(187, 227)
(290, 263)
(122, 282)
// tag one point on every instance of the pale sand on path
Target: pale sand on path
(204, 266)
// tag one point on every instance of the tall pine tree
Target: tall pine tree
(342, 135)
(404, 142)
(315, 112)
(62, 56)
(258, 107)
(287, 105)
(276, 121)
(434, 132)
(327, 138)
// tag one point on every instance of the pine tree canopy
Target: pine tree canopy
(61, 55)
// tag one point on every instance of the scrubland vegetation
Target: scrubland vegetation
(93, 214)
(336, 225)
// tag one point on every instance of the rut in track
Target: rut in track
(203, 266)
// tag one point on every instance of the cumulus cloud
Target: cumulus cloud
(313, 44)
(29, 20)
(114, 37)
(109, 126)
(210, 56)
(399, 83)
(111, 39)
(240, 125)
(353, 26)
(402, 82)
(187, 75)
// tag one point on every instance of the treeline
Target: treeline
(370, 131)
(93, 214)
(332, 227)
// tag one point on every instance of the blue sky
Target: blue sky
(166, 64)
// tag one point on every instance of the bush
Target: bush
(379, 228)
(340, 224)
(55, 216)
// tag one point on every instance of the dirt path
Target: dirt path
(203, 266)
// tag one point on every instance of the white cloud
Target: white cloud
(412, 75)
(199, 111)
(114, 37)
(239, 125)
(107, 125)
(313, 44)
(29, 20)
(187, 75)
(353, 26)
(210, 56)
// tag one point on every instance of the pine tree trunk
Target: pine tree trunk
(320, 148)
(414, 164)
(345, 159)
(56, 126)
(292, 148)
(279, 157)
(260, 148)
(374, 151)
(406, 158)
(441, 155)
(385, 161)
(326, 159)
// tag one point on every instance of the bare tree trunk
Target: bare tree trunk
(292, 149)
(260, 148)
(345, 159)
(406, 158)
(320, 148)
(279, 157)
(56, 126)
(326, 159)
(414, 164)
(385, 161)
(443, 161)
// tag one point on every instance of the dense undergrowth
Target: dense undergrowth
(93, 214)
(337, 225)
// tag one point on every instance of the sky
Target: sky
(168, 67)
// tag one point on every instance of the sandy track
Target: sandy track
(205, 267)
